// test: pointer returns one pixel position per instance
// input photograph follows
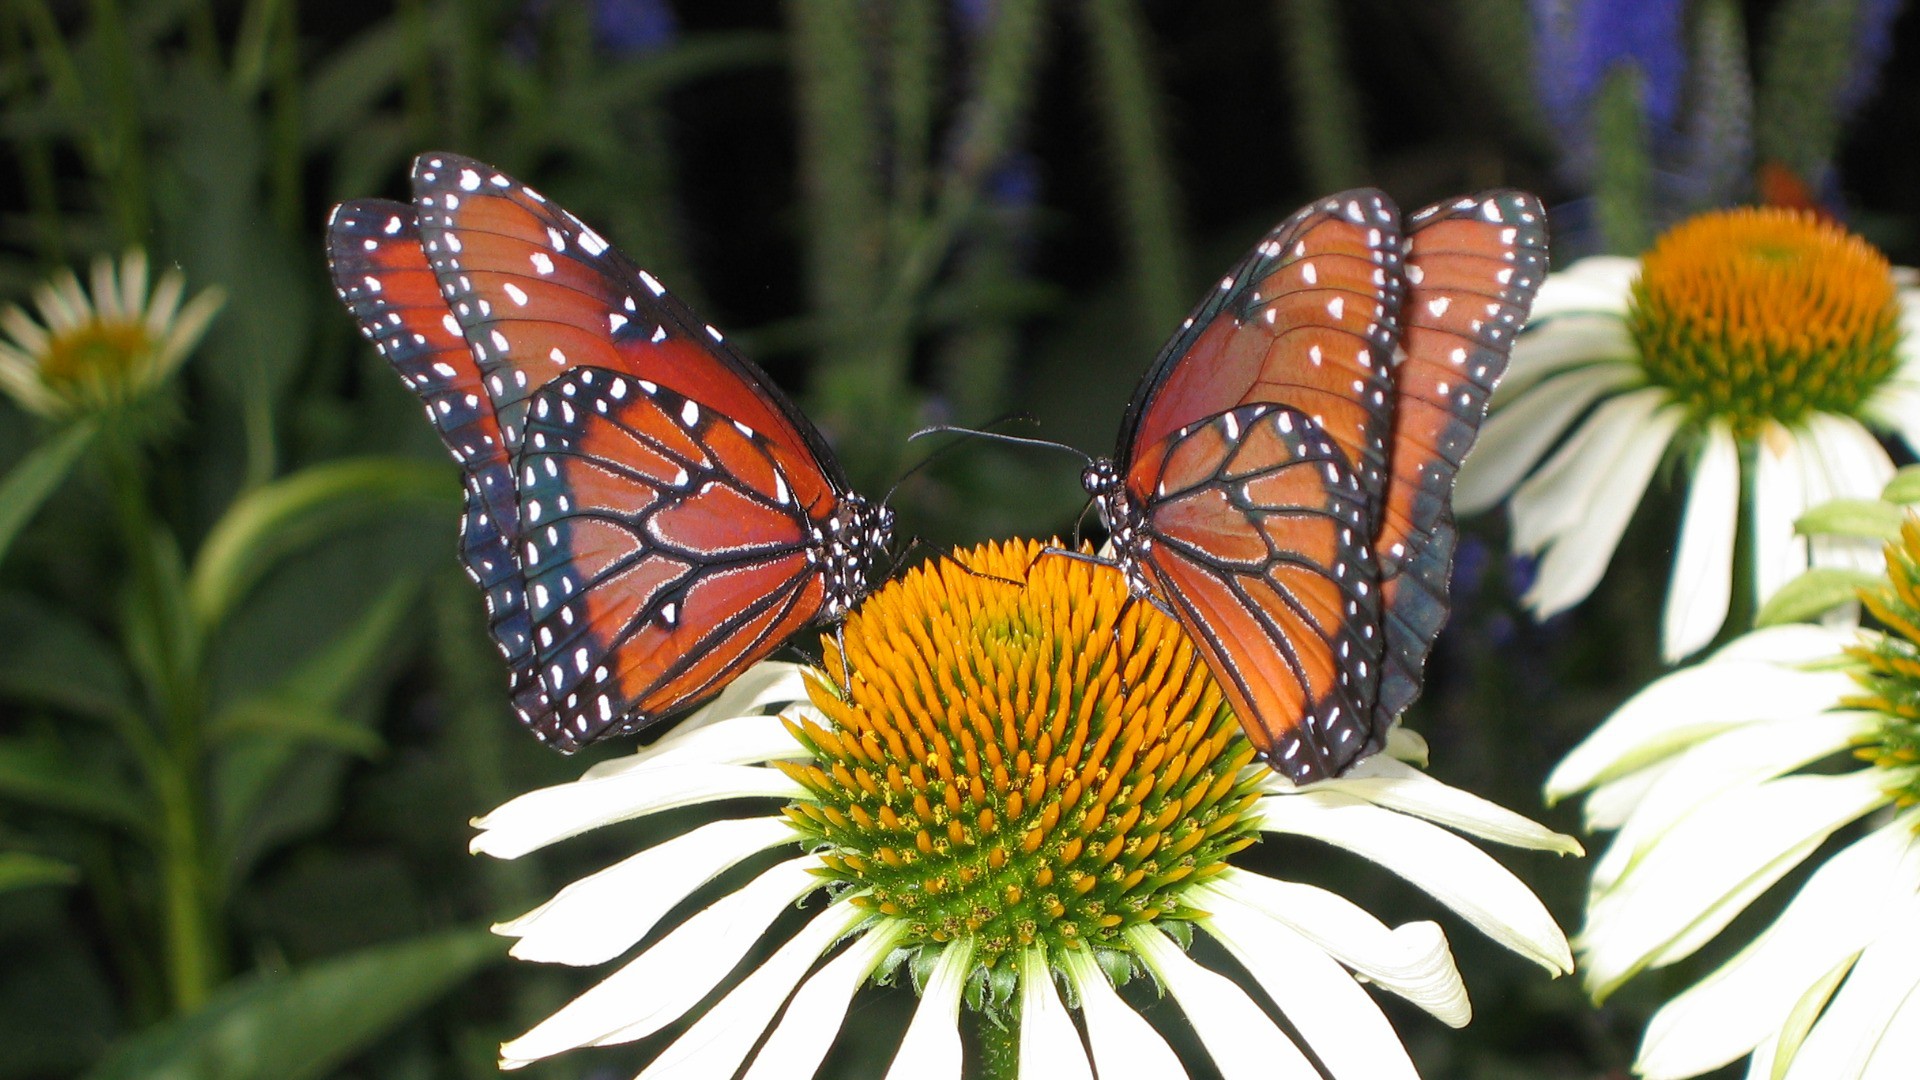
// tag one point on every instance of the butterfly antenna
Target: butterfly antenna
(937, 454)
(998, 436)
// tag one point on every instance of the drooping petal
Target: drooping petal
(1448, 868)
(602, 915)
(1848, 1034)
(1050, 1045)
(1709, 867)
(1740, 756)
(661, 984)
(1779, 498)
(768, 683)
(1600, 284)
(550, 814)
(1740, 1006)
(1412, 960)
(714, 1047)
(1242, 1040)
(1125, 1046)
(811, 1020)
(1340, 1023)
(1394, 785)
(1729, 690)
(1701, 588)
(1562, 345)
(1515, 437)
(1580, 553)
(931, 1049)
(1844, 461)
(1560, 493)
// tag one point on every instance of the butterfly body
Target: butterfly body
(647, 514)
(1283, 479)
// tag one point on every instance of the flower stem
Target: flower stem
(1000, 1048)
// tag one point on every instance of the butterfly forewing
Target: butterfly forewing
(381, 274)
(539, 293)
(1259, 544)
(1307, 320)
(1473, 265)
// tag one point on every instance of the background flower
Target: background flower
(1760, 346)
(1719, 781)
(1029, 780)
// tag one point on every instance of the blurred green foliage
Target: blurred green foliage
(247, 701)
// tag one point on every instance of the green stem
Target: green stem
(171, 668)
(1000, 1049)
(1327, 116)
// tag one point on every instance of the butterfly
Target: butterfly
(646, 513)
(1284, 475)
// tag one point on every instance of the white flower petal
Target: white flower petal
(1339, 1022)
(26, 333)
(1701, 588)
(932, 1050)
(1125, 1046)
(1706, 869)
(1448, 868)
(1611, 802)
(1394, 785)
(1613, 486)
(660, 985)
(1050, 1045)
(542, 817)
(1560, 493)
(1515, 436)
(1899, 1045)
(1896, 405)
(1844, 461)
(1562, 344)
(1599, 283)
(768, 683)
(1742, 1005)
(602, 915)
(1412, 960)
(714, 1047)
(1779, 498)
(1886, 977)
(806, 1031)
(1728, 690)
(1737, 757)
(1242, 1040)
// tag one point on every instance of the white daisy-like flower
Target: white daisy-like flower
(1027, 797)
(1720, 780)
(1761, 347)
(86, 353)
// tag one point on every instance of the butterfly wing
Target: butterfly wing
(1308, 320)
(663, 551)
(639, 596)
(1473, 265)
(1258, 543)
(381, 274)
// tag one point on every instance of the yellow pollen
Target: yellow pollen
(1765, 314)
(1017, 742)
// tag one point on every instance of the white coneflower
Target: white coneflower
(1761, 345)
(87, 353)
(1027, 794)
(1721, 779)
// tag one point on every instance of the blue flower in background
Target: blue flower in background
(1872, 41)
(635, 26)
(1578, 44)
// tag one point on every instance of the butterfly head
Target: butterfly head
(847, 545)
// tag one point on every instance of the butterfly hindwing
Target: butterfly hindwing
(1473, 265)
(1259, 544)
(663, 546)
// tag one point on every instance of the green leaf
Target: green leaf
(53, 657)
(276, 519)
(24, 870)
(1868, 519)
(1623, 173)
(306, 1024)
(36, 477)
(41, 772)
(1904, 488)
(296, 722)
(1813, 594)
